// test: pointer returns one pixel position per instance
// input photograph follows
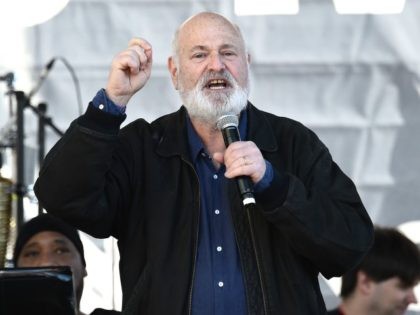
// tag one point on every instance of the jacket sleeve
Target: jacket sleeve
(322, 216)
(82, 180)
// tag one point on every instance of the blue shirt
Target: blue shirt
(218, 284)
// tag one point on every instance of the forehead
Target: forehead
(49, 238)
(208, 31)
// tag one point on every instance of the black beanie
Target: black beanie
(47, 222)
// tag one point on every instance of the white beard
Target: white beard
(209, 107)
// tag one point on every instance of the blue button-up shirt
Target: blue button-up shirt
(218, 284)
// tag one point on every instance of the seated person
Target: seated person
(47, 241)
(383, 283)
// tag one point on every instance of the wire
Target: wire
(44, 74)
(75, 81)
(42, 77)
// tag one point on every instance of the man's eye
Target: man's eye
(198, 56)
(30, 254)
(228, 53)
(61, 250)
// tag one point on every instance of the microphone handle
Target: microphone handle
(230, 135)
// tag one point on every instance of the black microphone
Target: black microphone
(228, 125)
(42, 77)
(7, 77)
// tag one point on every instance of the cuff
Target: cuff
(102, 102)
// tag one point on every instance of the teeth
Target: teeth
(216, 84)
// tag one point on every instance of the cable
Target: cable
(75, 81)
(44, 73)
(47, 70)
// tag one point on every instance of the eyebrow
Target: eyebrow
(57, 241)
(202, 47)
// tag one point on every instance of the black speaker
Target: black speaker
(33, 291)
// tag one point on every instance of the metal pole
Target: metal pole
(20, 187)
(42, 109)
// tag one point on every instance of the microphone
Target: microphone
(7, 77)
(228, 125)
(42, 77)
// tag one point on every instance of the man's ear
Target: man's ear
(365, 284)
(173, 70)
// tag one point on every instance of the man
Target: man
(48, 241)
(383, 283)
(167, 190)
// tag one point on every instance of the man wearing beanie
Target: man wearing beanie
(48, 241)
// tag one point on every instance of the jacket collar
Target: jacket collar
(260, 130)
(171, 132)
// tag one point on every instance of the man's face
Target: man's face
(391, 297)
(51, 248)
(211, 72)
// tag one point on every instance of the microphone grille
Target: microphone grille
(227, 121)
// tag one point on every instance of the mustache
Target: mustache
(211, 75)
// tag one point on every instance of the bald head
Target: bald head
(203, 21)
(209, 67)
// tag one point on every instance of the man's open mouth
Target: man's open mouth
(217, 84)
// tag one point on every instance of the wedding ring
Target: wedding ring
(245, 161)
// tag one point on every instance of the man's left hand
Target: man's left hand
(242, 158)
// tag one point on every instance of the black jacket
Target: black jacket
(139, 185)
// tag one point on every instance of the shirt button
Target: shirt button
(220, 284)
(219, 248)
(203, 154)
(217, 211)
(101, 106)
(215, 176)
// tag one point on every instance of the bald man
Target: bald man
(167, 190)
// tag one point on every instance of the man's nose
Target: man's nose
(47, 260)
(216, 63)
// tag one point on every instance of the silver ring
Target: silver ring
(245, 161)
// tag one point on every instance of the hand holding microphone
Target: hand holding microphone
(243, 159)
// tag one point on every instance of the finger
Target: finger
(218, 157)
(144, 49)
(128, 60)
(141, 55)
(245, 159)
(137, 41)
(235, 152)
(237, 166)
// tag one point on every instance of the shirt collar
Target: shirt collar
(195, 143)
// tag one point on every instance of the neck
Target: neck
(212, 137)
(352, 306)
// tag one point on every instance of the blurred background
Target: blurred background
(349, 70)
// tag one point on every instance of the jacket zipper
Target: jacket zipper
(257, 258)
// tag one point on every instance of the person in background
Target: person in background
(46, 241)
(167, 189)
(383, 283)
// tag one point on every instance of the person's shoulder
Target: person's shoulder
(282, 126)
(276, 120)
(334, 312)
(167, 119)
(142, 126)
(100, 311)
